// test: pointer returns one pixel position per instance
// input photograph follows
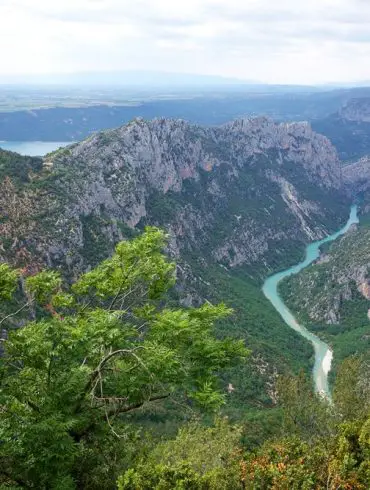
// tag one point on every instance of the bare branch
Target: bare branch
(16, 312)
(135, 406)
(94, 377)
(118, 352)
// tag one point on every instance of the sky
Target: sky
(271, 41)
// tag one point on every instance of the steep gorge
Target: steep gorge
(239, 201)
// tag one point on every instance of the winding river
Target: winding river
(323, 353)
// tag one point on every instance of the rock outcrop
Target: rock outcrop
(348, 129)
(357, 175)
(356, 110)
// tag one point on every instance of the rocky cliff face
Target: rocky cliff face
(357, 110)
(356, 179)
(357, 175)
(348, 129)
(243, 193)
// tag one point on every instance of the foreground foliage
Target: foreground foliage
(95, 353)
(199, 457)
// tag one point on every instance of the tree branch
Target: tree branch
(77, 436)
(135, 406)
(127, 275)
(13, 479)
(95, 374)
(33, 406)
(16, 312)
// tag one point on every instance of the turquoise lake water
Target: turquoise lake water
(323, 353)
(33, 148)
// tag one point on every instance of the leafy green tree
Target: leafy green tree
(96, 352)
(8, 281)
(349, 463)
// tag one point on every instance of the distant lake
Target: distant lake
(33, 148)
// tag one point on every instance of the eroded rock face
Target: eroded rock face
(348, 129)
(236, 194)
(356, 109)
(356, 176)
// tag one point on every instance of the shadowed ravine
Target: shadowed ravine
(323, 353)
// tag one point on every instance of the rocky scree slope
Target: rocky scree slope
(239, 201)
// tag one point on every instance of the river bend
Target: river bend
(323, 353)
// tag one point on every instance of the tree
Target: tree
(352, 388)
(325, 445)
(101, 349)
(305, 413)
(199, 458)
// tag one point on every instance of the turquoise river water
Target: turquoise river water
(323, 353)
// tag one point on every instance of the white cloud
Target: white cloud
(285, 42)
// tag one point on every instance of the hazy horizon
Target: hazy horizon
(144, 79)
(320, 42)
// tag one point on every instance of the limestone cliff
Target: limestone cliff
(357, 110)
(356, 176)
(348, 129)
(240, 194)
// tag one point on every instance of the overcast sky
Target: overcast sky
(277, 41)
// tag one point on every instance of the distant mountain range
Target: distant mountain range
(73, 113)
(148, 80)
